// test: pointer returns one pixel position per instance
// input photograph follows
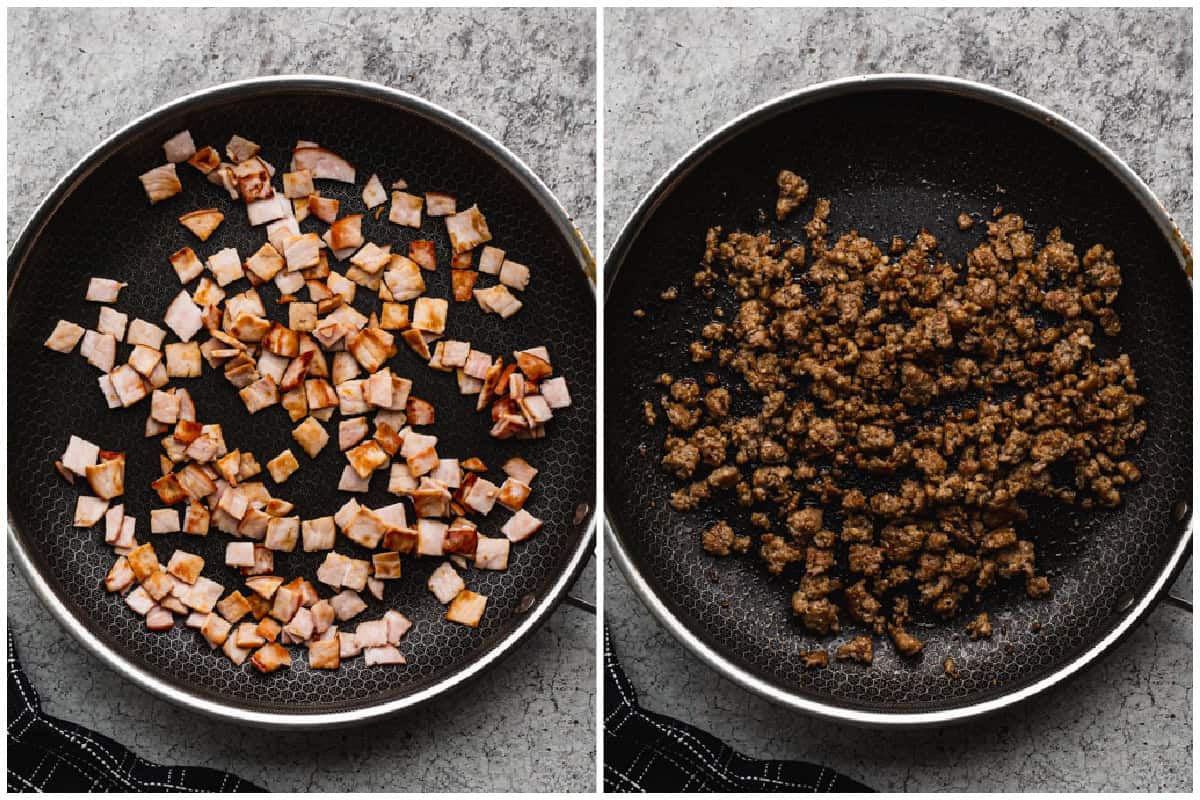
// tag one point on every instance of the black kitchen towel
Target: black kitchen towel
(46, 754)
(647, 752)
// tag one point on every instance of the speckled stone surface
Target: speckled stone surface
(673, 76)
(76, 76)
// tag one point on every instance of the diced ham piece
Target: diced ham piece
(397, 626)
(275, 207)
(445, 583)
(406, 209)
(521, 526)
(491, 260)
(324, 654)
(161, 183)
(382, 656)
(79, 455)
(164, 520)
(554, 390)
(347, 604)
(467, 608)
(202, 222)
(514, 275)
(107, 478)
(468, 229)
(373, 193)
(204, 595)
(271, 657)
(491, 553)
(440, 205)
(179, 147)
(498, 300)
(65, 336)
(100, 350)
(120, 577)
(482, 496)
(322, 164)
(140, 601)
(318, 534)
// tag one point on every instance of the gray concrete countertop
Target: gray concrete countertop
(1126, 76)
(526, 77)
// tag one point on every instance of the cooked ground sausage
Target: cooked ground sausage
(958, 391)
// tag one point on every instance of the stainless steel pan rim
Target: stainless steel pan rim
(1136, 610)
(541, 608)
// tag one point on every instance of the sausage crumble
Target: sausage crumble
(902, 412)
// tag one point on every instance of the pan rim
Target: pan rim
(531, 619)
(632, 227)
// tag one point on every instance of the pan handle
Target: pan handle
(580, 602)
(1179, 602)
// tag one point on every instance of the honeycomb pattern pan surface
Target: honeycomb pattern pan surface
(101, 225)
(892, 160)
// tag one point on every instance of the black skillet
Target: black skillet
(893, 154)
(97, 222)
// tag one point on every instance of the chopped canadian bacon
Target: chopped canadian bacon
(535, 409)
(423, 253)
(461, 538)
(270, 209)
(298, 185)
(372, 258)
(196, 520)
(283, 533)
(206, 159)
(260, 394)
(233, 607)
(397, 626)
(468, 229)
(318, 534)
(513, 494)
(521, 526)
(179, 147)
(365, 528)
(240, 149)
(319, 394)
(322, 164)
(185, 566)
(419, 412)
(429, 314)
(112, 322)
(311, 436)
(346, 233)
(161, 183)
(401, 480)
(382, 656)
(165, 521)
(144, 360)
(347, 604)
(107, 479)
(467, 608)
(247, 636)
(492, 553)
(555, 393)
(126, 541)
(100, 350)
(498, 300)
(323, 208)
(403, 279)
(253, 180)
(183, 360)
(386, 566)
(481, 496)
(324, 654)
(120, 576)
(265, 263)
(114, 520)
(351, 432)
(440, 205)
(462, 284)
(406, 209)
(371, 634)
(285, 604)
(226, 267)
(140, 601)
(300, 628)
(280, 231)
(373, 193)
(445, 583)
(142, 332)
(202, 222)
(79, 455)
(89, 511)
(533, 364)
(65, 336)
(271, 657)
(491, 260)
(431, 537)
(448, 473)
(271, 364)
(514, 275)
(281, 341)
(143, 561)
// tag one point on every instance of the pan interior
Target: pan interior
(105, 228)
(892, 161)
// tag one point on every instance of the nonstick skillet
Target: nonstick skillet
(895, 153)
(96, 222)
